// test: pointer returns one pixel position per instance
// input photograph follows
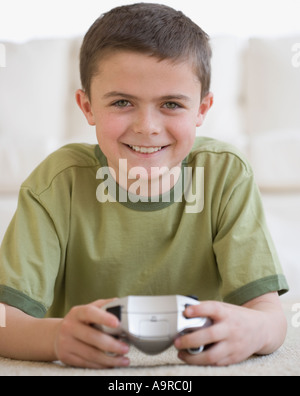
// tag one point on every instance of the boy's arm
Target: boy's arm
(258, 327)
(27, 338)
(276, 322)
(72, 340)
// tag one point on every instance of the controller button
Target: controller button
(117, 311)
(193, 297)
(186, 306)
(195, 351)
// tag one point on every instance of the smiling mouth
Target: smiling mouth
(146, 150)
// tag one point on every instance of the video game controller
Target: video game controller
(152, 323)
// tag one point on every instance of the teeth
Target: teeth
(145, 150)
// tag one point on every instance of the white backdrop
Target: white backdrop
(22, 20)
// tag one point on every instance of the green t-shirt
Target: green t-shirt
(71, 243)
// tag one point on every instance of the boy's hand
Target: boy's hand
(236, 334)
(78, 344)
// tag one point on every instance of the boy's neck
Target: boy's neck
(145, 183)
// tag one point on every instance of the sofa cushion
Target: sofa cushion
(273, 86)
(34, 85)
(77, 128)
(225, 120)
(33, 101)
(275, 160)
(273, 116)
(18, 158)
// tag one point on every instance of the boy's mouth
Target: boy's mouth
(146, 150)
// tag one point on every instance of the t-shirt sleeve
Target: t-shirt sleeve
(246, 257)
(29, 257)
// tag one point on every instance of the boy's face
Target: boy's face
(145, 111)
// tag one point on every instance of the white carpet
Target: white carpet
(284, 362)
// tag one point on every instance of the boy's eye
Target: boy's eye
(171, 106)
(122, 103)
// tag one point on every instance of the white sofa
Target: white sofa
(257, 108)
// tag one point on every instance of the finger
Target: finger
(214, 310)
(102, 342)
(91, 314)
(202, 337)
(83, 355)
(101, 359)
(110, 345)
(102, 303)
(210, 357)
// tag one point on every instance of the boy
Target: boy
(148, 211)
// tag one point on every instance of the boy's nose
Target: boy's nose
(147, 123)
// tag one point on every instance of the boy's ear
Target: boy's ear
(205, 105)
(85, 106)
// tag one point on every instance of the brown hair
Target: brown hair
(156, 30)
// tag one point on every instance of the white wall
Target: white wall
(22, 20)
